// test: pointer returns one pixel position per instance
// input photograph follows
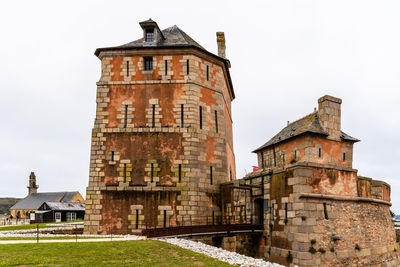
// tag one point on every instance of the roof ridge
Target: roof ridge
(302, 118)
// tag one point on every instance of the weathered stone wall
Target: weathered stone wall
(140, 143)
(318, 216)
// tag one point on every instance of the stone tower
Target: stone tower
(32, 188)
(162, 138)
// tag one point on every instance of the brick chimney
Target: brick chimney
(329, 115)
(32, 188)
(221, 44)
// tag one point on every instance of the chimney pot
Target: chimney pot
(221, 44)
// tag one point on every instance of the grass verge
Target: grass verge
(123, 253)
(31, 226)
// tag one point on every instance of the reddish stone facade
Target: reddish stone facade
(162, 139)
(315, 209)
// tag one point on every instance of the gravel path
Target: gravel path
(220, 254)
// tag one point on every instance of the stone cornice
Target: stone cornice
(345, 198)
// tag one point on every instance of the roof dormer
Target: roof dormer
(151, 33)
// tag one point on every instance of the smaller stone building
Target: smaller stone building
(315, 209)
(30, 204)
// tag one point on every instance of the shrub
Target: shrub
(332, 249)
(312, 250)
(357, 247)
(313, 241)
(321, 250)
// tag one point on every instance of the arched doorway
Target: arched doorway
(259, 211)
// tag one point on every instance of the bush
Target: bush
(313, 241)
(357, 247)
(312, 250)
(332, 249)
(321, 250)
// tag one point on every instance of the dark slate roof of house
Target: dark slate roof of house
(307, 124)
(174, 36)
(76, 206)
(34, 201)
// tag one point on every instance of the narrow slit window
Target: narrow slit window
(319, 153)
(230, 174)
(201, 117)
(325, 212)
(295, 154)
(112, 155)
(152, 172)
(213, 217)
(207, 74)
(180, 172)
(166, 67)
(137, 219)
(283, 159)
(182, 119)
(216, 121)
(127, 68)
(211, 175)
(125, 173)
(165, 218)
(187, 66)
(344, 156)
(126, 116)
(286, 208)
(148, 63)
(153, 116)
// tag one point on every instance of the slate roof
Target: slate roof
(307, 124)
(34, 201)
(76, 206)
(173, 37)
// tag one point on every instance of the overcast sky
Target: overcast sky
(284, 56)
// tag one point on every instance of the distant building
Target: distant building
(60, 212)
(32, 203)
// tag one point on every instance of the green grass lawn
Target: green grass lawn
(30, 226)
(50, 237)
(123, 253)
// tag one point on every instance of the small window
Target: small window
(149, 35)
(344, 156)
(211, 175)
(112, 155)
(187, 67)
(166, 67)
(148, 63)
(182, 118)
(180, 172)
(319, 153)
(207, 74)
(137, 219)
(126, 116)
(153, 116)
(325, 212)
(201, 116)
(152, 172)
(125, 173)
(127, 68)
(216, 121)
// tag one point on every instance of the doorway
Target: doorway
(259, 211)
